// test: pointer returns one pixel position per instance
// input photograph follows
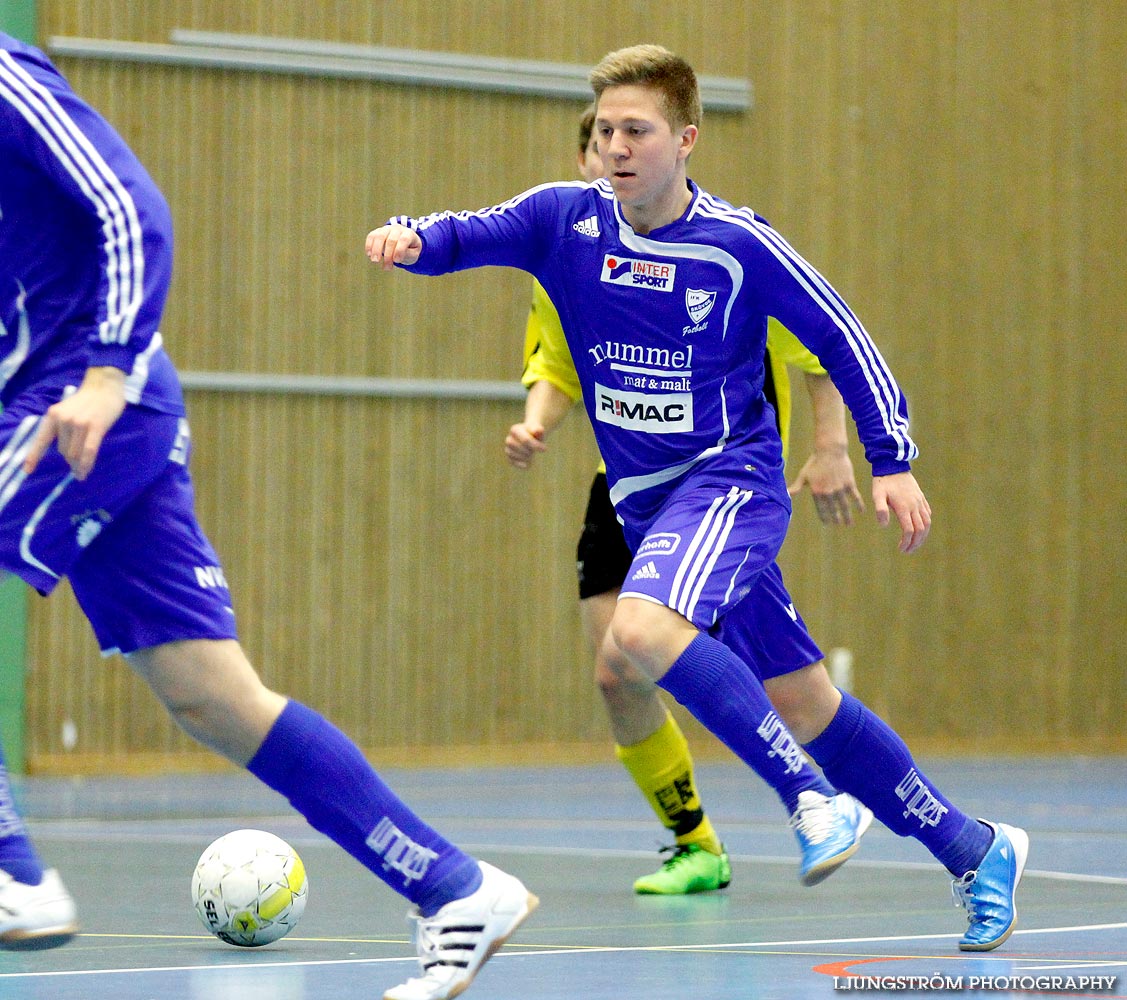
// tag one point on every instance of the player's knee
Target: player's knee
(607, 678)
(178, 691)
(644, 633)
(629, 634)
(626, 689)
(211, 692)
(193, 706)
(618, 679)
(612, 668)
(613, 691)
(192, 710)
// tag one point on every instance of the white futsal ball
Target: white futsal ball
(249, 888)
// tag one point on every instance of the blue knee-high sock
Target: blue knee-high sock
(326, 778)
(18, 856)
(726, 696)
(861, 754)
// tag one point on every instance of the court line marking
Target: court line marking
(1070, 965)
(515, 951)
(535, 850)
(776, 859)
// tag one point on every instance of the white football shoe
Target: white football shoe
(35, 916)
(457, 941)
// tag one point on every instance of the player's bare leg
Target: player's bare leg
(212, 692)
(652, 747)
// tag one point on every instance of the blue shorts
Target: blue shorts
(126, 537)
(710, 556)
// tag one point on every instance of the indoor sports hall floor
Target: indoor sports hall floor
(578, 837)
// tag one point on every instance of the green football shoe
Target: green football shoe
(689, 868)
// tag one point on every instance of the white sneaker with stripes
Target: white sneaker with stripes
(457, 941)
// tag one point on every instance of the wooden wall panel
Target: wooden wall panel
(954, 207)
(386, 567)
(955, 168)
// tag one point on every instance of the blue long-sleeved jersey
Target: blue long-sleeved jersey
(85, 244)
(667, 331)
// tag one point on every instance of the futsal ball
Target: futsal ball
(249, 888)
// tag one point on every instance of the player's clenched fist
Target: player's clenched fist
(523, 442)
(391, 245)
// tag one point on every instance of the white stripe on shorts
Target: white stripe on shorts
(33, 524)
(703, 551)
(12, 458)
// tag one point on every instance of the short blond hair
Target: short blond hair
(656, 67)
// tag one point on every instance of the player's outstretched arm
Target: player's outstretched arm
(393, 244)
(901, 494)
(81, 421)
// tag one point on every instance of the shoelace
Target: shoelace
(677, 852)
(435, 969)
(961, 891)
(814, 821)
(429, 945)
(426, 941)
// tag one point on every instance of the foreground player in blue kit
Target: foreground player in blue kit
(85, 261)
(663, 292)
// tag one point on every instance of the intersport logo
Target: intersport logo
(647, 274)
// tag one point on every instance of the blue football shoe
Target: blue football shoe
(988, 894)
(829, 831)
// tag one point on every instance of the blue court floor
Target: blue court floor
(578, 836)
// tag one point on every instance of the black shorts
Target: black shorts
(602, 556)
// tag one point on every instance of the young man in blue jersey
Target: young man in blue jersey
(648, 741)
(94, 486)
(663, 292)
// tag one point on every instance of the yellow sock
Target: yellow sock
(662, 768)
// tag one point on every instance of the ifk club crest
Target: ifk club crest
(699, 303)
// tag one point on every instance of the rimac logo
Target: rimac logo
(699, 303)
(651, 412)
(638, 273)
(664, 543)
(588, 227)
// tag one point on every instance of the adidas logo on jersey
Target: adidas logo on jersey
(647, 572)
(588, 227)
